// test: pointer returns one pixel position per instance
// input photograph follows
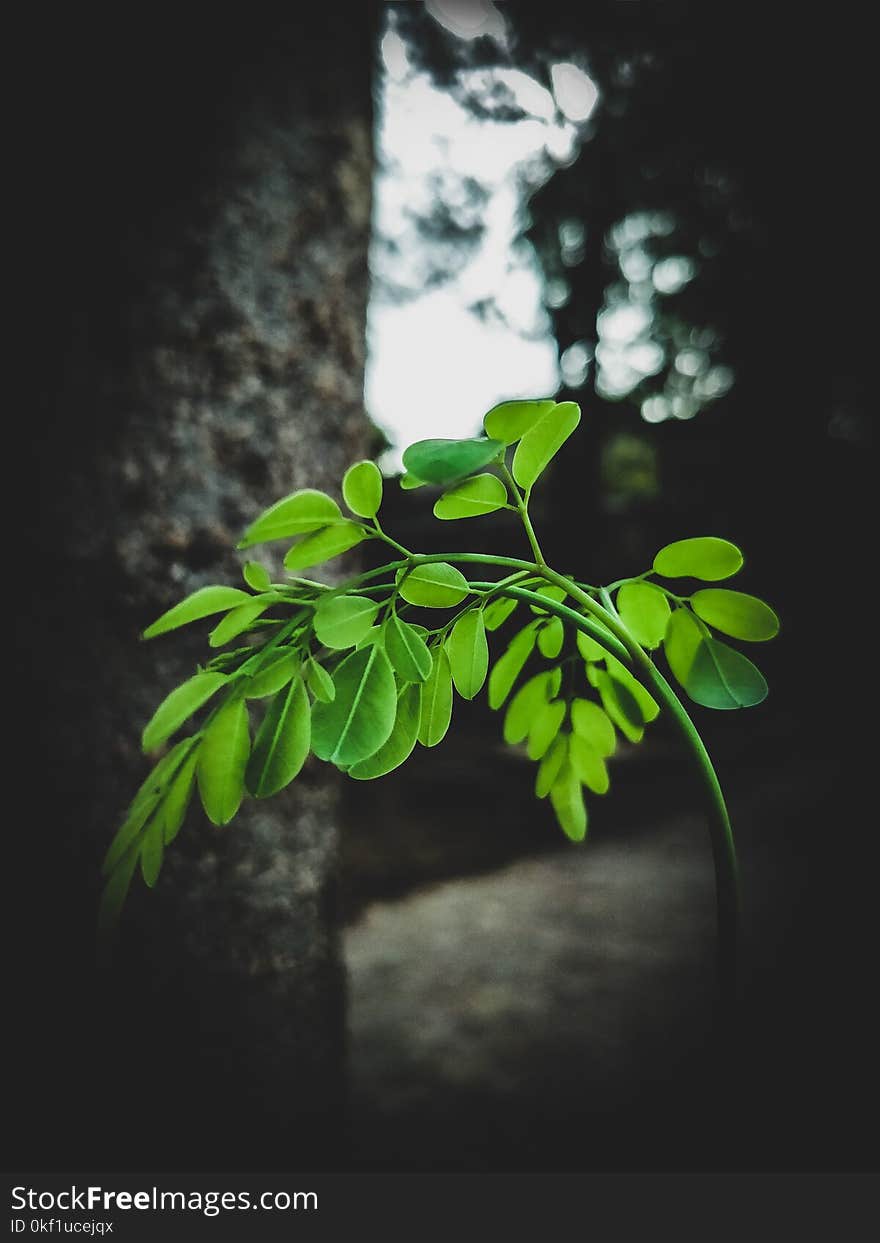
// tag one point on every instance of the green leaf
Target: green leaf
(400, 742)
(360, 718)
(178, 797)
(510, 420)
(468, 653)
(435, 710)
(544, 728)
(435, 586)
(721, 677)
(256, 576)
(116, 888)
(530, 697)
(201, 603)
(543, 441)
(406, 650)
(551, 765)
(241, 618)
(509, 666)
(481, 494)
(306, 510)
(592, 724)
(648, 706)
(446, 461)
(620, 705)
(324, 545)
(409, 482)
(683, 637)
(179, 706)
(588, 647)
(550, 638)
(222, 762)
(588, 764)
(144, 802)
(342, 621)
(362, 489)
(736, 614)
(152, 851)
(279, 668)
(705, 557)
(282, 742)
(568, 803)
(496, 612)
(644, 610)
(551, 593)
(319, 682)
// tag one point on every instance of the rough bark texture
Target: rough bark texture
(205, 357)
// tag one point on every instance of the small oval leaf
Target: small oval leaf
(362, 489)
(543, 441)
(434, 586)
(721, 677)
(256, 576)
(324, 545)
(735, 613)
(644, 610)
(319, 682)
(683, 636)
(342, 621)
(530, 697)
(223, 758)
(279, 668)
(510, 420)
(567, 798)
(509, 665)
(360, 718)
(481, 494)
(544, 728)
(240, 619)
(496, 612)
(706, 557)
(589, 765)
(401, 740)
(435, 711)
(152, 851)
(551, 765)
(446, 461)
(550, 638)
(282, 742)
(306, 510)
(178, 798)
(592, 724)
(201, 603)
(468, 653)
(407, 650)
(179, 706)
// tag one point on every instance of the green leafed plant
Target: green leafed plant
(360, 673)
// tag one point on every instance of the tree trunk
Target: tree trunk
(205, 216)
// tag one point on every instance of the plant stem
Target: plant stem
(522, 504)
